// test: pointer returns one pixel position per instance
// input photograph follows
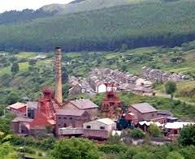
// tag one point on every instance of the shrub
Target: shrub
(137, 134)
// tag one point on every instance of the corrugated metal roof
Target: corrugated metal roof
(84, 104)
(144, 107)
(177, 125)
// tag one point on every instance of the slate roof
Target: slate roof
(70, 112)
(144, 107)
(84, 104)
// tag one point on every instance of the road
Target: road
(174, 98)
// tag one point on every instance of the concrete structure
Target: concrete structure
(99, 129)
(63, 132)
(83, 104)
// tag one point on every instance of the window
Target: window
(70, 118)
(65, 118)
(59, 117)
(88, 127)
(102, 127)
(65, 125)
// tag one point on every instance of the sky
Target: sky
(7, 5)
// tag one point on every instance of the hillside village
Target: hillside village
(143, 84)
(97, 79)
(82, 117)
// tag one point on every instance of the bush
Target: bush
(187, 135)
(137, 134)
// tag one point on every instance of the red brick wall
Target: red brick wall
(71, 121)
(145, 116)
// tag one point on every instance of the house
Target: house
(70, 118)
(75, 89)
(97, 84)
(99, 129)
(143, 82)
(19, 109)
(143, 112)
(83, 104)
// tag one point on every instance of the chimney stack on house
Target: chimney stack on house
(58, 75)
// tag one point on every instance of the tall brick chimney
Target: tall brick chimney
(58, 75)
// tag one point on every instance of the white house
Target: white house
(100, 128)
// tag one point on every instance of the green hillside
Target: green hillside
(135, 25)
(88, 5)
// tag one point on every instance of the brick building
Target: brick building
(143, 111)
(71, 118)
(19, 109)
(83, 104)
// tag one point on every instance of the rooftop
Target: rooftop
(144, 107)
(22, 119)
(106, 121)
(17, 105)
(177, 125)
(84, 104)
(70, 112)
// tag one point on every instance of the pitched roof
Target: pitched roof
(16, 105)
(144, 107)
(70, 112)
(84, 104)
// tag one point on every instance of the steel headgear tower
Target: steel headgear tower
(58, 75)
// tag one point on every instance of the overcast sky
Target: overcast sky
(6, 5)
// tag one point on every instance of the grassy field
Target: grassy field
(26, 55)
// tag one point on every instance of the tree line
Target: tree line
(109, 29)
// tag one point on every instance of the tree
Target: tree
(124, 68)
(15, 68)
(7, 151)
(137, 134)
(64, 75)
(170, 88)
(12, 98)
(187, 135)
(75, 148)
(154, 130)
(174, 155)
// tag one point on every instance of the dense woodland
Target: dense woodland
(134, 25)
